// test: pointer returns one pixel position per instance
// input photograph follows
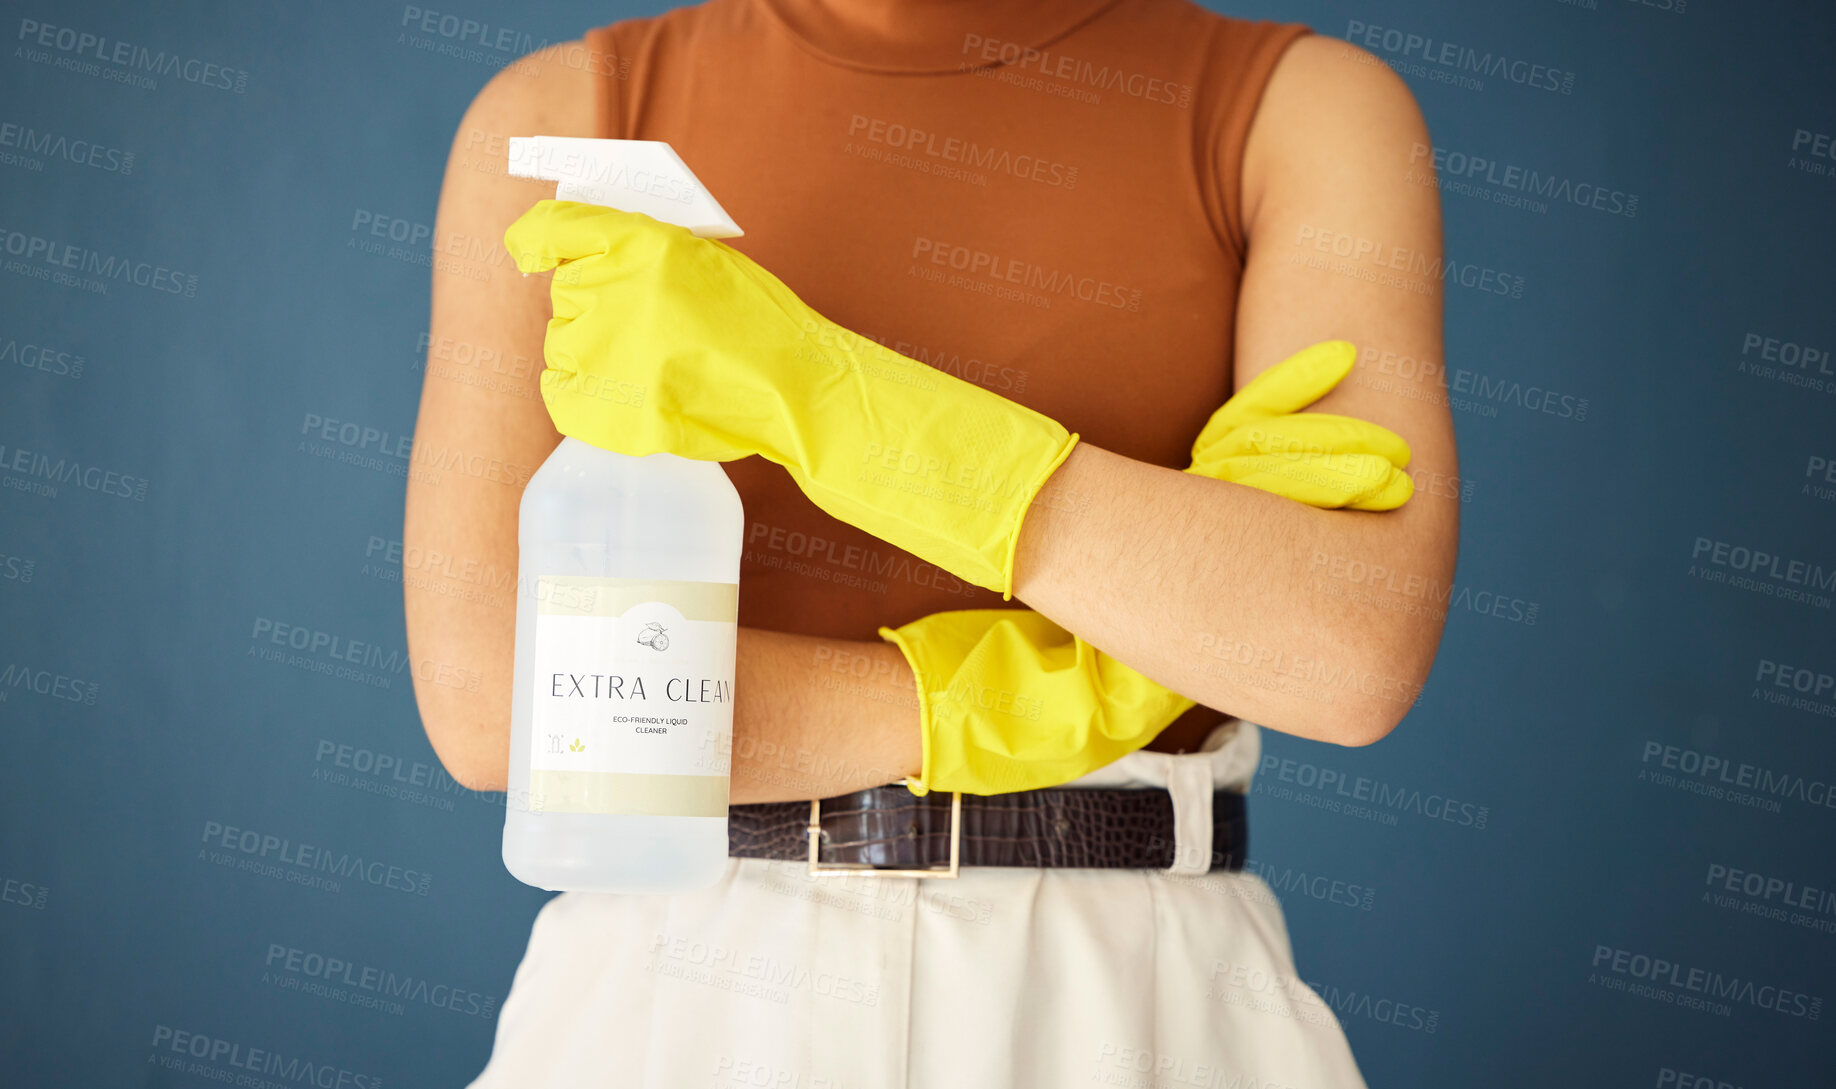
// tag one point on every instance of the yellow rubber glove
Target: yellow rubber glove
(731, 363)
(1010, 701)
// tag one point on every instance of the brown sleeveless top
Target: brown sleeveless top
(1038, 196)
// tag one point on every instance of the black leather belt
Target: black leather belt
(891, 831)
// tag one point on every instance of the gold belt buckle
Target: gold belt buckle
(845, 869)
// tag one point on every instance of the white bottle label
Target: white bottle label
(633, 699)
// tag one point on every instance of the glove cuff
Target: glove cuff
(1026, 505)
(907, 647)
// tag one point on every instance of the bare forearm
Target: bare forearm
(817, 717)
(1321, 623)
(813, 717)
(1228, 595)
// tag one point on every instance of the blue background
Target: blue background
(116, 919)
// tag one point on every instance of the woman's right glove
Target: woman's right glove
(726, 361)
(1010, 701)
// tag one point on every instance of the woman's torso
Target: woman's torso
(1060, 228)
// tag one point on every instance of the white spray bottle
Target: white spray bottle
(627, 613)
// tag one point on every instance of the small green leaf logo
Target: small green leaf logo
(576, 746)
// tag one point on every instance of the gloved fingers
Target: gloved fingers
(1391, 494)
(556, 231)
(1288, 386)
(1326, 481)
(559, 348)
(1307, 433)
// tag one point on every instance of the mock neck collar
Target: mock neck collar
(917, 37)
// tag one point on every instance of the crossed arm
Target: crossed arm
(1233, 597)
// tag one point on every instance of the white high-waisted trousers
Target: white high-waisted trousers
(1004, 978)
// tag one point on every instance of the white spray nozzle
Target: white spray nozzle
(631, 175)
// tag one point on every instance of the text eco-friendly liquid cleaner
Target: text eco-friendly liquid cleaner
(627, 614)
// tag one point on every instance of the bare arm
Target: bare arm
(812, 718)
(1241, 600)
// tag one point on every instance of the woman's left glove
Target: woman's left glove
(1009, 701)
(665, 342)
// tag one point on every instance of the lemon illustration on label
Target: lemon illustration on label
(654, 636)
